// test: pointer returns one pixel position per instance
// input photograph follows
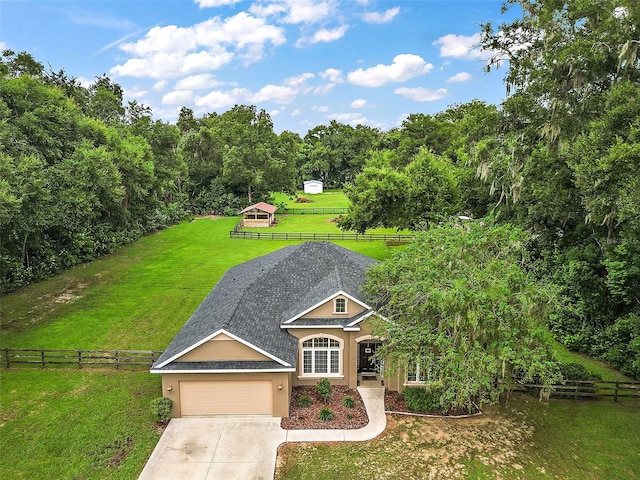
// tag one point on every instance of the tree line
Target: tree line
(81, 173)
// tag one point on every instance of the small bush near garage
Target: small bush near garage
(161, 408)
(325, 414)
(304, 401)
(423, 399)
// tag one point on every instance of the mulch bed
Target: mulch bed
(302, 418)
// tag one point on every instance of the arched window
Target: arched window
(321, 355)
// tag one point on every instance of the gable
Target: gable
(326, 310)
(221, 348)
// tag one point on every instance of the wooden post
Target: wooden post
(79, 358)
(6, 354)
(117, 360)
(615, 394)
(42, 357)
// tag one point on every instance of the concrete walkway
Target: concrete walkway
(243, 447)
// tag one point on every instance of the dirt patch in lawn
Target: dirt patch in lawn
(344, 417)
(487, 446)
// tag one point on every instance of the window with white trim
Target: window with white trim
(320, 355)
(419, 372)
(340, 305)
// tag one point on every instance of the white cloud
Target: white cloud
(320, 108)
(298, 80)
(349, 118)
(461, 47)
(178, 97)
(160, 85)
(460, 77)
(274, 93)
(324, 35)
(215, 3)
(134, 93)
(404, 67)
(217, 99)
(324, 89)
(384, 17)
(422, 94)
(169, 39)
(171, 51)
(296, 113)
(198, 82)
(333, 75)
(306, 11)
(162, 66)
(240, 30)
(358, 103)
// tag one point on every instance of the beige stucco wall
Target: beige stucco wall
(326, 310)
(222, 347)
(281, 397)
(349, 341)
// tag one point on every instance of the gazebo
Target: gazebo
(259, 215)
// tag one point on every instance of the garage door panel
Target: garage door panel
(226, 398)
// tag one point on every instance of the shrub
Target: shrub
(323, 387)
(421, 399)
(348, 401)
(304, 401)
(161, 408)
(575, 371)
(325, 414)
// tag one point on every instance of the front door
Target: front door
(366, 362)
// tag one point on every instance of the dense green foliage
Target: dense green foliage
(459, 303)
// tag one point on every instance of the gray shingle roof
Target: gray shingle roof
(253, 298)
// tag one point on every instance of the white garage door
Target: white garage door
(226, 398)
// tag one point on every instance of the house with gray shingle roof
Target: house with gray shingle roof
(288, 318)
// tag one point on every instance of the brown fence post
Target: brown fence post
(117, 360)
(79, 358)
(42, 358)
(6, 354)
(615, 393)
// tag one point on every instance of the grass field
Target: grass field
(72, 424)
(326, 199)
(313, 223)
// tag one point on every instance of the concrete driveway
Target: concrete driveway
(216, 448)
(246, 447)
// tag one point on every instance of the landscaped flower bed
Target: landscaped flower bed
(308, 417)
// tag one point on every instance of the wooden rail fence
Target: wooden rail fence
(14, 357)
(586, 389)
(313, 211)
(366, 237)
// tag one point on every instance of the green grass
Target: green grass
(326, 199)
(139, 297)
(71, 424)
(313, 223)
(525, 439)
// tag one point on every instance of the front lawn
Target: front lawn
(73, 424)
(526, 439)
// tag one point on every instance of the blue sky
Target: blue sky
(306, 62)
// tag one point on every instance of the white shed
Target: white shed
(313, 186)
